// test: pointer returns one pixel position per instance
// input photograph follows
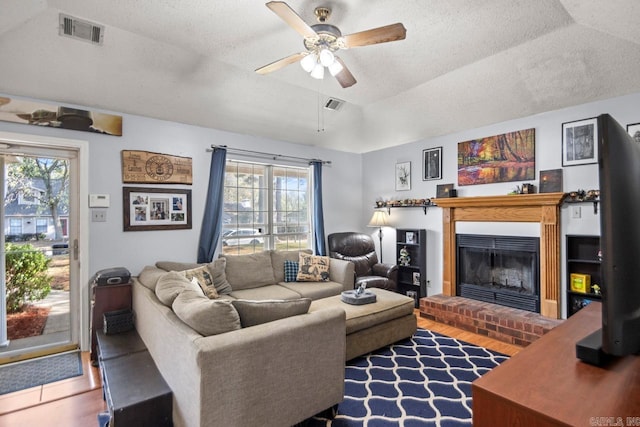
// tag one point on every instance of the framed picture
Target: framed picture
(145, 167)
(156, 209)
(416, 278)
(634, 131)
(432, 163)
(410, 237)
(551, 181)
(403, 176)
(445, 190)
(499, 158)
(579, 142)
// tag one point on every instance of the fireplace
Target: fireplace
(499, 269)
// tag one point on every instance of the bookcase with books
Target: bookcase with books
(411, 258)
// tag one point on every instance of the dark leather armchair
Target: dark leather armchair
(360, 249)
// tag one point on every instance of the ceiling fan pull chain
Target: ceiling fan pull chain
(320, 108)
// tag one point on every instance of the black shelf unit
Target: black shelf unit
(408, 283)
(582, 257)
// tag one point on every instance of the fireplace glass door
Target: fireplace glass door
(499, 269)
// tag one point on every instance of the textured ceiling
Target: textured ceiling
(463, 64)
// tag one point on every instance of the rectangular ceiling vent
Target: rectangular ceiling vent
(81, 30)
(334, 104)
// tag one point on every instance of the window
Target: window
(42, 225)
(15, 226)
(265, 207)
(30, 196)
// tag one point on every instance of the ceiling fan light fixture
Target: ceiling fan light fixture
(335, 68)
(308, 63)
(326, 57)
(318, 72)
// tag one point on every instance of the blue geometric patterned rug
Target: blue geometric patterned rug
(43, 370)
(421, 381)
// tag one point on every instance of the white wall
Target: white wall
(379, 167)
(111, 247)
(351, 184)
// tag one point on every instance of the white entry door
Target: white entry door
(42, 310)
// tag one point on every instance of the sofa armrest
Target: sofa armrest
(385, 270)
(341, 271)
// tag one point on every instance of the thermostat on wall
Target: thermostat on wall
(98, 200)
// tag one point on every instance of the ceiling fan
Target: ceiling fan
(322, 40)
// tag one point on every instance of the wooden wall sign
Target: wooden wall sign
(144, 167)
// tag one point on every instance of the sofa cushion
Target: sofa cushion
(279, 257)
(220, 282)
(177, 265)
(249, 271)
(203, 315)
(204, 279)
(216, 268)
(169, 286)
(388, 306)
(265, 292)
(258, 312)
(149, 277)
(313, 268)
(314, 290)
(291, 270)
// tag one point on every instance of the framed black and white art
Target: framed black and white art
(634, 131)
(432, 164)
(403, 176)
(579, 145)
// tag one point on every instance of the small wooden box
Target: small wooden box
(581, 283)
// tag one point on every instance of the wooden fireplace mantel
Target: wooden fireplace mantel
(541, 208)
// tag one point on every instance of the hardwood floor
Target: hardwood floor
(72, 402)
(77, 401)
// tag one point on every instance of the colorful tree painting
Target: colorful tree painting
(500, 158)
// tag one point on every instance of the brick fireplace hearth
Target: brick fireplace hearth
(505, 324)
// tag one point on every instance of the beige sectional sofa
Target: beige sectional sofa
(276, 373)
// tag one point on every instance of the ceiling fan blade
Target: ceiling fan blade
(388, 33)
(289, 16)
(281, 63)
(344, 77)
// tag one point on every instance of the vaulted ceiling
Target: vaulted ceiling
(463, 64)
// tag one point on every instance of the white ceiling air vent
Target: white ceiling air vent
(333, 104)
(81, 30)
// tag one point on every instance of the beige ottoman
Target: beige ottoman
(371, 326)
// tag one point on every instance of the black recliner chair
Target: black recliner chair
(360, 249)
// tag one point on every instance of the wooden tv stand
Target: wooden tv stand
(545, 385)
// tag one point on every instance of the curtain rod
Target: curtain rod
(269, 155)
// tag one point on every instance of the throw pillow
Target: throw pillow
(205, 316)
(220, 282)
(313, 268)
(169, 287)
(204, 278)
(258, 312)
(278, 258)
(290, 270)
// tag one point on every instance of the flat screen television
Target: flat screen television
(619, 175)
